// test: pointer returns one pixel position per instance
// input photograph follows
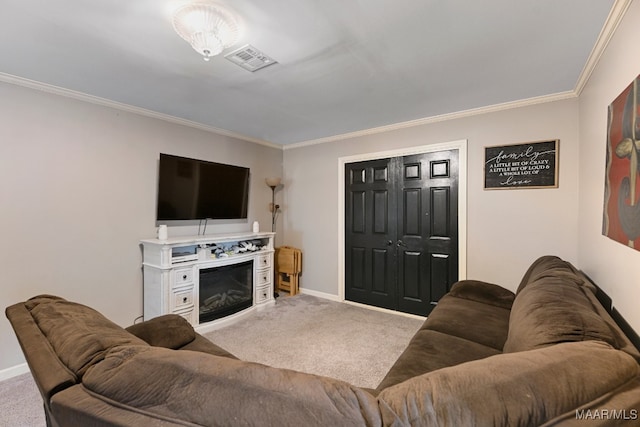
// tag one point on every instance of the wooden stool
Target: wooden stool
(288, 269)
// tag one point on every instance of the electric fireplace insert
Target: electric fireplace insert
(225, 290)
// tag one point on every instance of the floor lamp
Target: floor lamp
(273, 182)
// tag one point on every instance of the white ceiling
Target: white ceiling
(344, 65)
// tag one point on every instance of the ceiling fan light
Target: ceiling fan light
(207, 27)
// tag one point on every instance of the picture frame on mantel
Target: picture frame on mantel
(523, 165)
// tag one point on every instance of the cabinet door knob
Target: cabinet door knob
(184, 299)
(184, 277)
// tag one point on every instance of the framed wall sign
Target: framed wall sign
(529, 165)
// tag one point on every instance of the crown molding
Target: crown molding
(80, 96)
(435, 119)
(618, 10)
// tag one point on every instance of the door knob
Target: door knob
(400, 243)
(390, 242)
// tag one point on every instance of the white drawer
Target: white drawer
(264, 261)
(263, 277)
(183, 276)
(188, 314)
(262, 294)
(183, 299)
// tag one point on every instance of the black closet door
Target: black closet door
(427, 218)
(401, 230)
(370, 235)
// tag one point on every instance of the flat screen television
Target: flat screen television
(190, 189)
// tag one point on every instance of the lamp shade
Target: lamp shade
(273, 181)
(207, 27)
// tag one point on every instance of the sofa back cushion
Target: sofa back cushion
(511, 389)
(548, 266)
(79, 335)
(192, 387)
(551, 310)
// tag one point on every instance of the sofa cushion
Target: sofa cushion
(202, 389)
(169, 331)
(553, 310)
(486, 293)
(622, 342)
(523, 389)
(203, 345)
(431, 350)
(471, 320)
(77, 407)
(547, 266)
(619, 407)
(79, 335)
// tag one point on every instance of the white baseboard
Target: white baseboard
(370, 307)
(385, 310)
(320, 294)
(14, 371)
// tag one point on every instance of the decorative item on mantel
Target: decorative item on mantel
(273, 182)
(226, 250)
(162, 232)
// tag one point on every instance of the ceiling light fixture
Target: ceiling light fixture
(207, 27)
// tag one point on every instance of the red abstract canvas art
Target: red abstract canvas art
(621, 219)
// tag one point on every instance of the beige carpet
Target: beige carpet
(323, 337)
(304, 333)
(20, 403)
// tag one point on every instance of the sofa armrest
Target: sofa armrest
(49, 373)
(483, 292)
(168, 331)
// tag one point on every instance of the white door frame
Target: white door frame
(461, 146)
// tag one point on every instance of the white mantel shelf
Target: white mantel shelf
(172, 271)
(207, 238)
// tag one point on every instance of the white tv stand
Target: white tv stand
(172, 271)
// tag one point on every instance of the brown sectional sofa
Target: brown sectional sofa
(548, 355)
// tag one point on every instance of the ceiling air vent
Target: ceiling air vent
(250, 58)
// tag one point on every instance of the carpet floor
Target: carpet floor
(303, 333)
(322, 337)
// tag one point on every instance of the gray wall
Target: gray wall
(507, 229)
(612, 265)
(78, 187)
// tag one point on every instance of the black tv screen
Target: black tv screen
(191, 189)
